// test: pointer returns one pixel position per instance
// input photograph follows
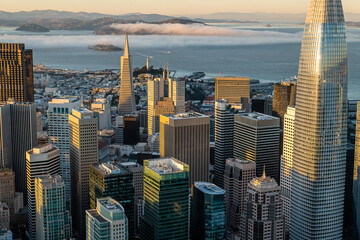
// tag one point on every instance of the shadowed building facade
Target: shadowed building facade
(16, 73)
(320, 128)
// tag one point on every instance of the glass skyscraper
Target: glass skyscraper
(320, 128)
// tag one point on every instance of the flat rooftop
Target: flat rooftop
(166, 165)
(257, 116)
(110, 204)
(45, 148)
(187, 115)
(65, 99)
(110, 168)
(209, 188)
(94, 214)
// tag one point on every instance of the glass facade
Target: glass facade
(207, 212)
(320, 128)
(166, 202)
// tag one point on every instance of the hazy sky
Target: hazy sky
(175, 7)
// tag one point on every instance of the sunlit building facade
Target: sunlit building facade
(320, 129)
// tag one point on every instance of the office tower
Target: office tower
(155, 91)
(119, 130)
(131, 129)
(234, 89)
(127, 97)
(7, 189)
(58, 132)
(286, 165)
(349, 224)
(262, 217)
(356, 183)
(143, 118)
(42, 138)
(101, 109)
(83, 152)
(4, 216)
(21, 122)
(17, 79)
(137, 172)
(166, 200)
(352, 112)
(39, 127)
(5, 137)
(176, 92)
(320, 129)
(238, 173)
(186, 137)
(6, 235)
(256, 138)
(53, 220)
(107, 221)
(262, 104)
(39, 161)
(113, 180)
(284, 96)
(207, 211)
(224, 137)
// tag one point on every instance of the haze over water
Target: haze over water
(268, 54)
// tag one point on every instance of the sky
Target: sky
(170, 7)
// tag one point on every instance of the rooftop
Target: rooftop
(110, 168)
(166, 165)
(209, 188)
(94, 214)
(257, 116)
(110, 204)
(65, 99)
(264, 182)
(187, 115)
(46, 148)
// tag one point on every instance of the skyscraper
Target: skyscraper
(356, 183)
(256, 138)
(234, 89)
(58, 132)
(4, 216)
(262, 217)
(53, 220)
(177, 93)
(40, 161)
(107, 221)
(320, 129)
(166, 200)
(207, 211)
(6, 160)
(286, 165)
(83, 152)
(224, 137)
(19, 135)
(16, 68)
(131, 134)
(7, 188)
(238, 174)
(284, 96)
(113, 180)
(101, 110)
(186, 137)
(127, 97)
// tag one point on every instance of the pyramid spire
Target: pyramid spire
(264, 173)
(126, 49)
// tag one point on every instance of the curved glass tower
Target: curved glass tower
(320, 125)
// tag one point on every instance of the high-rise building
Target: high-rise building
(7, 189)
(349, 218)
(155, 92)
(127, 97)
(207, 211)
(224, 137)
(256, 138)
(6, 235)
(107, 221)
(19, 134)
(186, 137)
(320, 129)
(286, 165)
(356, 183)
(262, 216)
(177, 93)
(40, 161)
(131, 132)
(83, 153)
(262, 104)
(284, 96)
(53, 220)
(101, 109)
(238, 174)
(4, 216)
(234, 89)
(58, 132)
(16, 67)
(137, 172)
(119, 129)
(166, 200)
(115, 181)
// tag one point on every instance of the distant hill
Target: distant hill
(30, 27)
